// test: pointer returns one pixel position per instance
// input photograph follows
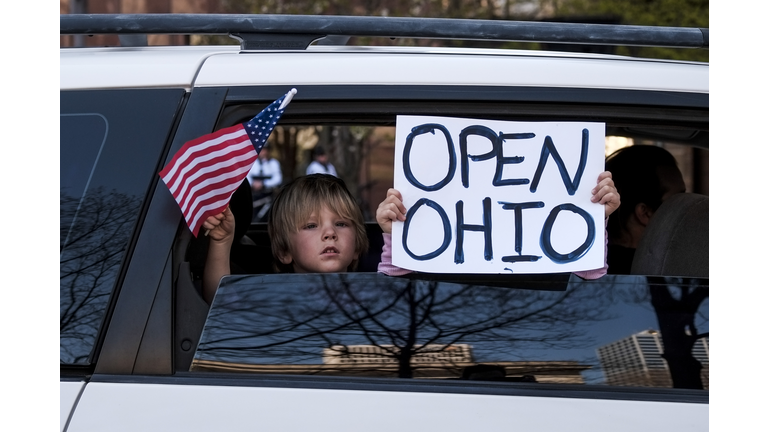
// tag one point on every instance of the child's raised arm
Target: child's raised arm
(391, 209)
(221, 231)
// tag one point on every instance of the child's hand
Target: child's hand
(391, 209)
(221, 227)
(605, 193)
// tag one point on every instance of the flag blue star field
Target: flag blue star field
(206, 171)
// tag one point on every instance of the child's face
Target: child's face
(325, 243)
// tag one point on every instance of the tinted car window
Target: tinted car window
(111, 143)
(617, 330)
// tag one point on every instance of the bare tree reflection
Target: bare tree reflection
(94, 233)
(403, 319)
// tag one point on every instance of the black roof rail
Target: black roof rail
(260, 32)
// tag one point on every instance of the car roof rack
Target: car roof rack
(297, 32)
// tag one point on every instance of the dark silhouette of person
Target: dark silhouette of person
(645, 176)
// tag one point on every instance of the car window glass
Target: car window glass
(110, 145)
(617, 330)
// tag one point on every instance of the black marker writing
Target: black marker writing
(549, 149)
(446, 229)
(419, 130)
(546, 235)
(485, 228)
(518, 209)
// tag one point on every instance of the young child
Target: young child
(392, 209)
(315, 226)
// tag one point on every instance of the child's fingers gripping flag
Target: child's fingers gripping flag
(205, 172)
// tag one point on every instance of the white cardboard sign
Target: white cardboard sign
(486, 196)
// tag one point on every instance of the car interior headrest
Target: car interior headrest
(676, 241)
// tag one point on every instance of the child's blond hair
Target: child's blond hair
(297, 200)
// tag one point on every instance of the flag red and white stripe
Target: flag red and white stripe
(205, 172)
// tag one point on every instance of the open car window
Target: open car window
(363, 152)
(611, 331)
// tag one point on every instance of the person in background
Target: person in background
(265, 177)
(320, 163)
(645, 176)
(265, 174)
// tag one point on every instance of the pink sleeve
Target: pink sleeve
(385, 266)
(597, 273)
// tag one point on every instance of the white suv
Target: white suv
(141, 350)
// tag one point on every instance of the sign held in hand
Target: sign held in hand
(486, 196)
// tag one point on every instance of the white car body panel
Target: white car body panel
(143, 407)
(104, 68)
(292, 69)
(225, 66)
(68, 393)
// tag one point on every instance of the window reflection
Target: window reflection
(95, 230)
(110, 145)
(372, 325)
(639, 360)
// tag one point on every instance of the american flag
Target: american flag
(205, 172)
